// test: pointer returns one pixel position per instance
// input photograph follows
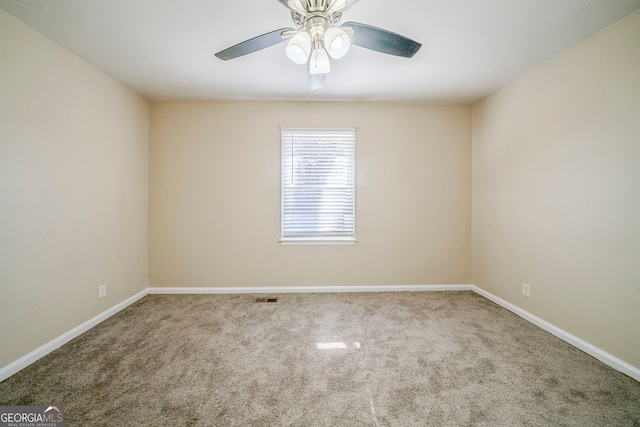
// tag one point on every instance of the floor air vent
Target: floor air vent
(266, 300)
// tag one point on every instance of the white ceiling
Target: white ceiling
(164, 49)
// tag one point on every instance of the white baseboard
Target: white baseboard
(601, 355)
(47, 348)
(306, 289)
(42, 351)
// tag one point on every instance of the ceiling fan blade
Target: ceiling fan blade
(382, 40)
(349, 4)
(255, 44)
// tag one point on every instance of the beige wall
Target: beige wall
(73, 190)
(215, 195)
(556, 191)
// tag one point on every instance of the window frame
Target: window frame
(285, 237)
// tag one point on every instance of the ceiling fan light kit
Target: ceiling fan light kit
(299, 48)
(319, 63)
(317, 38)
(338, 41)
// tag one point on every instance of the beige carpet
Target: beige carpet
(385, 359)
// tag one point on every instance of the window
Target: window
(318, 186)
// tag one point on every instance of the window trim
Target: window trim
(314, 240)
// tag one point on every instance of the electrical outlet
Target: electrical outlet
(102, 291)
(526, 290)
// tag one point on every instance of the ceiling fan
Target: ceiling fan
(317, 38)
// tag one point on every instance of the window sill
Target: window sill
(317, 241)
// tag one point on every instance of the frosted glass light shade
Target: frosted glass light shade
(319, 63)
(316, 81)
(337, 42)
(299, 47)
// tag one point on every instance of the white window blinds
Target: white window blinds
(318, 185)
